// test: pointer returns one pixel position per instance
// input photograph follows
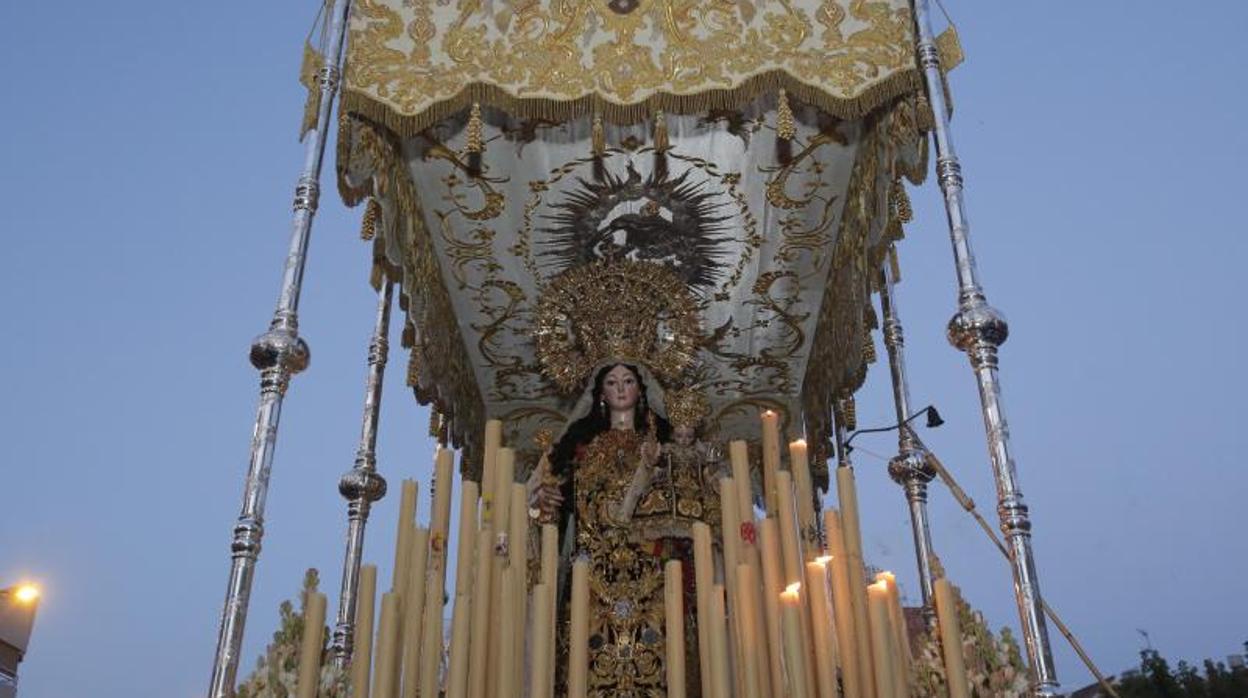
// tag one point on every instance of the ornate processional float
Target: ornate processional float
(636, 247)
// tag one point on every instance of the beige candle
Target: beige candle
(730, 523)
(951, 639)
(703, 579)
(747, 551)
(466, 542)
(540, 650)
(457, 670)
(851, 539)
(362, 651)
(435, 588)
(479, 638)
(771, 458)
(508, 619)
(578, 633)
(412, 606)
(504, 473)
(753, 652)
(674, 615)
(739, 456)
(387, 647)
(518, 554)
(403, 543)
(794, 650)
(720, 680)
(881, 640)
(799, 465)
(790, 548)
(769, 551)
(311, 646)
(489, 465)
(821, 628)
(550, 577)
(901, 640)
(843, 614)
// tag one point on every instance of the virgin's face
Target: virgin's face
(620, 389)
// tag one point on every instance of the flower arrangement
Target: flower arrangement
(277, 670)
(994, 664)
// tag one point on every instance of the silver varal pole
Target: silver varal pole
(362, 485)
(278, 354)
(909, 468)
(978, 329)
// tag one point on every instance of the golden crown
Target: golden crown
(686, 408)
(621, 310)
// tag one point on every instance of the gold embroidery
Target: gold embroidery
(409, 66)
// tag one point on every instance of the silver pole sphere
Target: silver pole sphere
(909, 467)
(278, 354)
(362, 484)
(978, 330)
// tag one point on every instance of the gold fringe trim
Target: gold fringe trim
(407, 125)
(368, 225)
(313, 61)
(598, 137)
(786, 126)
(473, 133)
(662, 143)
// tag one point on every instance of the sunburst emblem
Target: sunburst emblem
(672, 220)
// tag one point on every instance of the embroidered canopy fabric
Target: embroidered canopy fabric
(755, 148)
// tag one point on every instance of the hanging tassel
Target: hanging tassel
(368, 226)
(926, 118)
(435, 422)
(661, 142)
(894, 264)
(786, 126)
(598, 137)
(900, 200)
(413, 368)
(474, 142)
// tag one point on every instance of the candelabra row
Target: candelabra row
(782, 604)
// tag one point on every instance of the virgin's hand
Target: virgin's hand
(546, 498)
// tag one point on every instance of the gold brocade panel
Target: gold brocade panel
(412, 63)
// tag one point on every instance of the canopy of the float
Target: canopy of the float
(756, 148)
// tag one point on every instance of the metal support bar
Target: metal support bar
(909, 468)
(978, 330)
(278, 354)
(362, 485)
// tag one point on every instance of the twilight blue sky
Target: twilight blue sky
(144, 208)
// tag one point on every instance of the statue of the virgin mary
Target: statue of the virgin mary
(619, 331)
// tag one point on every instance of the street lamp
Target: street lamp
(933, 420)
(17, 618)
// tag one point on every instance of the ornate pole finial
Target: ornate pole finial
(278, 354)
(362, 484)
(978, 329)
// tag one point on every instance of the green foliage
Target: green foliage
(1155, 680)
(277, 670)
